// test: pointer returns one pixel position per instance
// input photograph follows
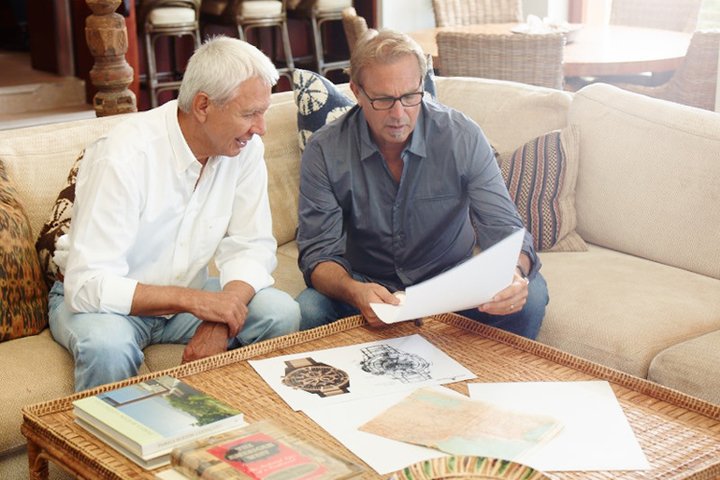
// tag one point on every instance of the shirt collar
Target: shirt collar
(417, 145)
(183, 158)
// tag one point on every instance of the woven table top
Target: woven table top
(679, 434)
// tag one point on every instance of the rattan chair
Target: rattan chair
(253, 14)
(695, 82)
(318, 13)
(354, 25)
(532, 59)
(166, 18)
(678, 15)
(468, 12)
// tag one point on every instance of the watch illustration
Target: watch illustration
(388, 360)
(315, 377)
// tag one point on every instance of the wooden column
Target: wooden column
(106, 36)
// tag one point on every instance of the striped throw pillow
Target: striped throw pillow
(541, 177)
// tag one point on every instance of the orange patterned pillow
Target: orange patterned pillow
(541, 177)
(23, 296)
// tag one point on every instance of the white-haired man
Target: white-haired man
(156, 199)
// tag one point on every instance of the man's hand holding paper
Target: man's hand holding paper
(489, 279)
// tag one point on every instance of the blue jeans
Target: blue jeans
(317, 309)
(109, 347)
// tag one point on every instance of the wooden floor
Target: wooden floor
(32, 97)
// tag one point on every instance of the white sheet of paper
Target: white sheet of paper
(411, 353)
(467, 285)
(382, 454)
(595, 436)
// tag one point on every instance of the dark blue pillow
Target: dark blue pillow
(319, 101)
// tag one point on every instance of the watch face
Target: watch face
(316, 378)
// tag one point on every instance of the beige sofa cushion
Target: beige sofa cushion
(691, 367)
(38, 160)
(648, 175)
(509, 116)
(35, 369)
(621, 310)
(282, 156)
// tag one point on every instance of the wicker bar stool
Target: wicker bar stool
(166, 18)
(467, 12)
(319, 12)
(246, 15)
(531, 59)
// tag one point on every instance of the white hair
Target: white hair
(219, 66)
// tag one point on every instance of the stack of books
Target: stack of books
(145, 421)
(263, 450)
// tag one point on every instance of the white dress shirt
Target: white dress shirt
(143, 213)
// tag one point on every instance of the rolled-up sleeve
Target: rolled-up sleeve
(320, 234)
(100, 237)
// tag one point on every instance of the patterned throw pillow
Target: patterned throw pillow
(57, 225)
(541, 177)
(319, 101)
(23, 296)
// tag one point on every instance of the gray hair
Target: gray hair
(219, 66)
(384, 46)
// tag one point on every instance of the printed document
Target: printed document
(466, 286)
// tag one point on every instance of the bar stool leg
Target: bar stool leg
(152, 80)
(317, 39)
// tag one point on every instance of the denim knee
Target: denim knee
(271, 313)
(317, 309)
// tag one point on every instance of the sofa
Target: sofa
(642, 297)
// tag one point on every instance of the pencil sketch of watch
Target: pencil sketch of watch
(388, 360)
(315, 377)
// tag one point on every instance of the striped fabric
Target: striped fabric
(541, 177)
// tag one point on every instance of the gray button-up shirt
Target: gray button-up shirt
(352, 211)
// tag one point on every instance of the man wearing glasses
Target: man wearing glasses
(399, 190)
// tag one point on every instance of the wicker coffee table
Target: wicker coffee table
(680, 435)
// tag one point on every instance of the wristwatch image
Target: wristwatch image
(315, 377)
(388, 360)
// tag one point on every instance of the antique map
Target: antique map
(460, 426)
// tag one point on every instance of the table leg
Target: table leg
(37, 463)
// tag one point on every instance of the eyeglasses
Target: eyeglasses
(386, 103)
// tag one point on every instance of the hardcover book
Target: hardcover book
(262, 450)
(148, 419)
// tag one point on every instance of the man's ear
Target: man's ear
(355, 90)
(200, 106)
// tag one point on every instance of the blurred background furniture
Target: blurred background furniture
(247, 15)
(319, 13)
(167, 18)
(532, 59)
(678, 15)
(694, 83)
(596, 50)
(354, 25)
(468, 12)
